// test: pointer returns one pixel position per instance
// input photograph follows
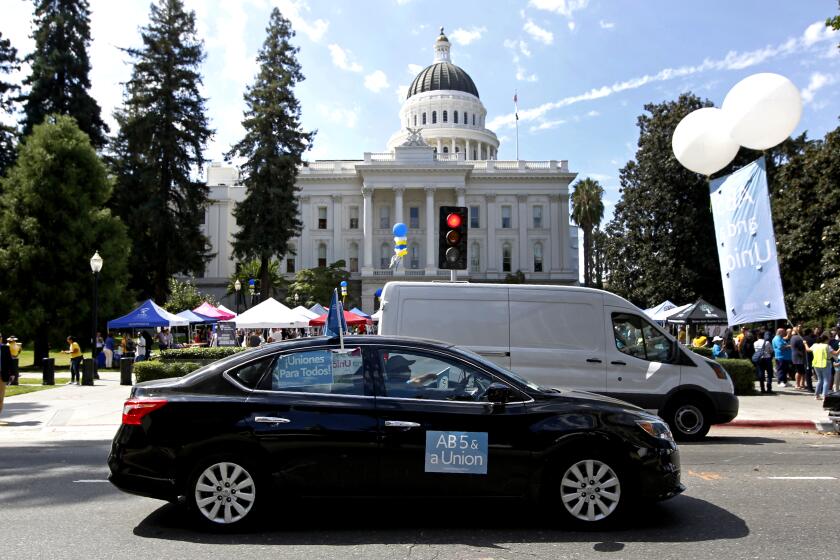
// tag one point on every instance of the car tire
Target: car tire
(224, 492)
(588, 490)
(689, 419)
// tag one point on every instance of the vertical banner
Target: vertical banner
(746, 246)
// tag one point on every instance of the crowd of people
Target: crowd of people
(807, 359)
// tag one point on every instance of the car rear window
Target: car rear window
(251, 373)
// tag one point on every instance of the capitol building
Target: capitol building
(442, 156)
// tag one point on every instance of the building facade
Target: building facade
(442, 156)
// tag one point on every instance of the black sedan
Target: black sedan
(388, 417)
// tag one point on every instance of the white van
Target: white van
(569, 337)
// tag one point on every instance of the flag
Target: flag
(336, 323)
(516, 104)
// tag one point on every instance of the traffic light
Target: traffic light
(452, 238)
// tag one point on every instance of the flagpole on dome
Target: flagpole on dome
(516, 113)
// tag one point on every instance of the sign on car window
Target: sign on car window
(320, 371)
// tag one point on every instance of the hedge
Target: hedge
(153, 369)
(702, 350)
(742, 373)
(203, 353)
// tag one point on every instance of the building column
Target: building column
(564, 228)
(525, 264)
(452, 148)
(367, 230)
(461, 193)
(398, 204)
(468, 153)
(557, 239)
(431, 252)
(305, 233)
(337, 226)
(439, 146)
(492, 264)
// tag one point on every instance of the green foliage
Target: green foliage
(587, 212)
(52, 219)
(59, 80)
(251, 270)
(703, 351)
(517, 277)
(184, 295)
(200, 353)
(599, 256)
(742, 373)
(8, 134)
(163, 133)
(271, 151)
(153, 369)
(316, 285)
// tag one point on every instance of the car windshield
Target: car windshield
(515, 376)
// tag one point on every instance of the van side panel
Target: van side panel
(557, 338)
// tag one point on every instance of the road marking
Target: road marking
(799, 477)
(92, 480)
(705, 475)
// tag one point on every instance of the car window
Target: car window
(251, 373)
(328, 371)
(636, 337)
(416, 375)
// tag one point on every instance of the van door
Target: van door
(642, 362)
(557, 337)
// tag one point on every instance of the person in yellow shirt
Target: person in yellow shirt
(75, 360)
(699, 341)
(15, 349)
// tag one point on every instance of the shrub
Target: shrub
(702, 350)
(742, 373)
(199, 353)
(153, 369)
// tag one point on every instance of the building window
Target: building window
(322, 254)
(455, 117)
(538, 217)
(414, 217)
(290, 265)
(444, 117)
(354, 257)
(506, 259)
(414, 256)
(475, 154)
(354, 217)
(466, 119)
(446, 149)
(434, 117)
(424, 118)
(384, 217)
(475, 217)
(415, 120)
(538, 257)
(473, 119)
(475, 258)
(506, 221)
(457, 149)
(384, 256)
(322, 217)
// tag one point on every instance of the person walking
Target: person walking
(781, 351)
(820, 351)
(140, 345)
(108, 350)
(763, 351)
(15, 348)
(75, 361)
(798, 352)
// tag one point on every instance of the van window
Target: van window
(562, 325)
(636, 337)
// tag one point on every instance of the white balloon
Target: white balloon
(701, 141)
(764, 109)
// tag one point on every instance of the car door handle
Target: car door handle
(401, 424)
(494, 353)
(593, 360)
(271, 420)
(618, 363)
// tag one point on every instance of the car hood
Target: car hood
(587, 396)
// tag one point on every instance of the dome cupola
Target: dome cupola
(442, 74)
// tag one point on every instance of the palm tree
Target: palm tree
(587, 213)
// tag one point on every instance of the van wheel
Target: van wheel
(587, 491)
(688, 419)
(222, 492)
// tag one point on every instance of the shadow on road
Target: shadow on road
(733, 440)
(485, 524)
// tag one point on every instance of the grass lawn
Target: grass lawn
(62, 361)
(31, 385)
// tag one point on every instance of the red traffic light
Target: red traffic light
(453, 220)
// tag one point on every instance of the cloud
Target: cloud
(402, 92)
(340, 115)
(547, 125)
(732, 61)
(517, 45)
(376, 81)
(593, 114)
(562, 7)
(414, 69)
(571, 25)
(466, 36)
(538, 33)
(292, 11)
(818, 32)
(341, 59)
(818, 81)
(606, 24)
(522, 75)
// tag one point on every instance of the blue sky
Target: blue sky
(583, 69)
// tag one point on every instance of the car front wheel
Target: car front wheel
(590, 491)
(223, 492)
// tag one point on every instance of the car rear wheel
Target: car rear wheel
(688, 419)
(223, 492)
(590, 490)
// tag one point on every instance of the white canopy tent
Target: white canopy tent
(663, 307)
(270, 314)
(304, 312)
(226, 310)
(664, 314)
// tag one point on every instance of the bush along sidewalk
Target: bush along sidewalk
(147, 371)
(742, 373)
(199, 355)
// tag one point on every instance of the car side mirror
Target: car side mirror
(499, 393)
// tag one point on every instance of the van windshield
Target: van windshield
(515, 376)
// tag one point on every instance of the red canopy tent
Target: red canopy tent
(213, 312)
(352, 319)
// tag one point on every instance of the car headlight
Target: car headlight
(656, 428)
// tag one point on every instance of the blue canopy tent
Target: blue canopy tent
(360, 313)
(147, 315)
(318, 308)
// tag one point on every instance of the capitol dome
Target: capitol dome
(442, 75)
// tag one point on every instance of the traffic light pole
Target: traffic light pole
(453, 276)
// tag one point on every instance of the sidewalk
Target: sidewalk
(788, 408)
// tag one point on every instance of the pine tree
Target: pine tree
(8, 134)
(271, 150)
(163, 132)
(60, 68)
(52, 219)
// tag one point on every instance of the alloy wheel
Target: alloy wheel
(689, 419)
(224, 493)
(590, 490)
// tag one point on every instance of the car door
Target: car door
(439, 435)
(642, 362)
(314, 414)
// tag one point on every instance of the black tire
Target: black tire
(233, 501)
(594, 502)
(688, 418)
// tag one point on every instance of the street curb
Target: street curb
(796, 424)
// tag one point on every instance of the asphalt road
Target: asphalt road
(55, 504)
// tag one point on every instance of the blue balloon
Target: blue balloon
(400, 230)
(343, 284)
(378, 292)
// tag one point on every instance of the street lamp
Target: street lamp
(252, 289)
(237, 285)
(95, 268)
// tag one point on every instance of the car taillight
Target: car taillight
(135, 409)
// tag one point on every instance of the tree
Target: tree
(184, 295)
(599, 248)
(587, 213)
(8, 134)
(271, 149)
(834, 22)
(52, 219)
(250, 270)
(316, 285)
(59, 80)
(661, 239)
(163, 132)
